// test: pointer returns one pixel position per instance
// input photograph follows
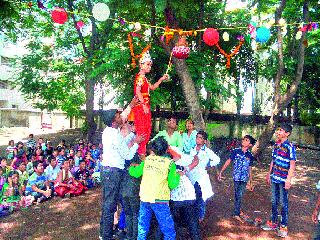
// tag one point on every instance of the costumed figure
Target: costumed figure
(141, 112)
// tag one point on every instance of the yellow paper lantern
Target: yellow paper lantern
(101, 11)
(226, 36)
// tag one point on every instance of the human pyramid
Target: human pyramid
(168, 175)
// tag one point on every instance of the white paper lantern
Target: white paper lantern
(225, 36)
(299, 35)
(101, 11)
(137, 26)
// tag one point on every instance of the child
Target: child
(38, 184)
(189, 137)
(142, 112)
(78, 158)
(23, 176)
(3, 179)
(5, 169)
(203, 157)
(158, 177)
(66, 185)
(280, 174)
(242, 161)
(10, 149)
(52, 170)
(83, 175)
(31, 145)
(90, 162)
(19, 156)
(12, 191)
(61, 156)
(316, 216)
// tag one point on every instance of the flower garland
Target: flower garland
(133, 56)
(229, 56)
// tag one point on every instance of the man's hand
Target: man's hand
(134, 102)
(140, 138)
(220, 177)
(180, 173)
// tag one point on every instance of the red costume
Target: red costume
(142, 120)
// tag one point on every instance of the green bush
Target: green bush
(310, 119)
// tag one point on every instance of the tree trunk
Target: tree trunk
(281, 102)
(92, 126)
(188, 87)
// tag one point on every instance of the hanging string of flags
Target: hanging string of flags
(211, 36)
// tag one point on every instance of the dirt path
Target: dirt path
(78, 218)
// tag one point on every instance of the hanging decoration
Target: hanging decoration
(263, 35)
(168, 35)
(211, 36)
(59, 15)
(229, 56)
(122, 21)
(101, 11)
(133, 56)
(40, 5)
(79, 24)
(299, 35)
(29, 4)
(137, 26)
(181, 51)
(226, 37)
(252, 30)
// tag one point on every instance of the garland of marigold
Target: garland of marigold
(229, 56)
(133, 56)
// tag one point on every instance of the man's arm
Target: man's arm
(269, 173)
(224, 167)
(290, 174)
(157, 84)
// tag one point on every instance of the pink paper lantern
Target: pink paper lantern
(80, 24)
(59, 15)
(181, 52)
(211, 36)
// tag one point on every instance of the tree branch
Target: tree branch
(70, 7)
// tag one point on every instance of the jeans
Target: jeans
(164, 218)
(239, 189)
(131, 207)
(184, 211)
(279, 193)
(200, 205)
(111, 179)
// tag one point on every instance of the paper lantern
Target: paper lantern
(59, 15)
(80, 24)
(225, 36)
(263, 35)
(101, 11)
(137, 26)
(211, 36)
(181, 52)
(299, 35)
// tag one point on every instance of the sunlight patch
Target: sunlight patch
(8, 227)
(89, 226)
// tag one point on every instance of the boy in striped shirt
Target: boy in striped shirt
(280, 174)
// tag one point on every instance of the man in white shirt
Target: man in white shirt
(115, 152)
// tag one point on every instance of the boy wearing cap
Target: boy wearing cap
(242, 160)
(280, 174)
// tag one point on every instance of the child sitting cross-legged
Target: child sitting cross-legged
(38, 184)
(83, 175)
(158, 177)
(66, 185)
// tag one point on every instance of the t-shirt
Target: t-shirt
(241, 163)
(189, 142)
(23, 177)
(51, 172)
(61, 159)
(174, 140)
(282, 154)
(35, 179)
(95, 153)
(82, 174)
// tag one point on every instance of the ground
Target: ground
(78, 218)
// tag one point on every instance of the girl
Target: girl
(19, 156)
(66, 185)
(10, 149)
(189, 137)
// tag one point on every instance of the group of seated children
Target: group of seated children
(36, 172)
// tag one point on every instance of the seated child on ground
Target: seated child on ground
(23, 176)
(90, 162)
(66, 185)
(83, 175)
(5, 168)
(158, 177)
(38, 184)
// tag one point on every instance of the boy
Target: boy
(158, 177)
(242, 161)
(83, 175)
(203, 157)
(281, 171)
